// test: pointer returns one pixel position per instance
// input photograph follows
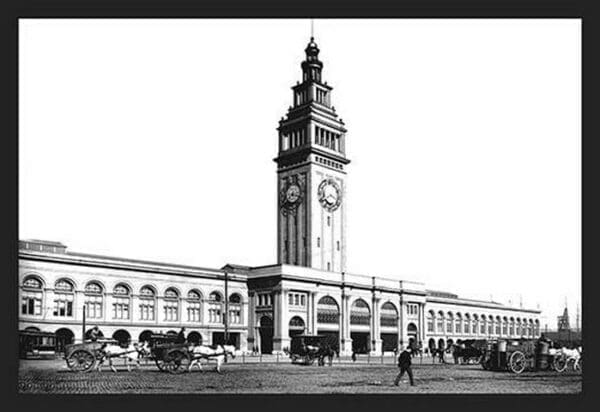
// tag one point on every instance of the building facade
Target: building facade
(307, 291)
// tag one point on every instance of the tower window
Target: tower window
(328, 266)
(328, 220)
(318, 242)
(338, 245)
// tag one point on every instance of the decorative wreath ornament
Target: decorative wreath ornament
(330, 194)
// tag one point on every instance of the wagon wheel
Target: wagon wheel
(516, 362)
(560, 363)
(177, 361)
(81, 360)
(160, 363)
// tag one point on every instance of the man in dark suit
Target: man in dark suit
(404, 363)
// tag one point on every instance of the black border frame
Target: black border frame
(288, 9)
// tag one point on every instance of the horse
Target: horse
(206, 352)
(132, 353)
(325, 351)
(573, 355)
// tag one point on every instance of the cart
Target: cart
(517, 356)
(304, 349)
(82, 357)
(168, 355)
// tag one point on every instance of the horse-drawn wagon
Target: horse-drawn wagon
(304, 349)
(519, 355)
(82, 357)
(169, 355)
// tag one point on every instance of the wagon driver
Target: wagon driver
(181, 336)
(94, 334)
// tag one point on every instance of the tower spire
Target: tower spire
(312, 29)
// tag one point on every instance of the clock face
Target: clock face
(330, 194)
(292, 194)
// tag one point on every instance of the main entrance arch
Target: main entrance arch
(412, 331)
(266, 335)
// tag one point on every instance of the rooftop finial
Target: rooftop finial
(312, 29)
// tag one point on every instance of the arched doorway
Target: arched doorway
(145, 336)
(388, 322)
(449, 343)
(194, 338)
(431, 345)
(328, 321)
(360, 321)
(441, 344)
(296, 326)
(89, 332)
(122, 336)
(413, 340)
(64, 337)
(266, 335)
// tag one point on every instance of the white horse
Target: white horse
(205, 352)
(573, 355)
(132, 353)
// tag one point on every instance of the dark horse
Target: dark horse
(325, 351)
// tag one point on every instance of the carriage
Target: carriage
(519, 355)
(304, 349)
(471, 350)
(169, 355)
(82, 357)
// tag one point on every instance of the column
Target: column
(347, 340)
(402, 337)
(250, 321)
(375, 329)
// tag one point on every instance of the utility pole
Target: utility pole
(83, 326)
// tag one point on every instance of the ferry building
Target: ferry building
(307, 291)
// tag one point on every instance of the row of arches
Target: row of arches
(174, 306)
(328, 312)
(441, 322)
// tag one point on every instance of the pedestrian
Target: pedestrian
(181, 336)
(353, 356)
(94, 334)
(404, 363)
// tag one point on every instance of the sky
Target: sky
(154, 139)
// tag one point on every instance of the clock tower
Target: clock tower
(311, 175)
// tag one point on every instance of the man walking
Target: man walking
(404, 363)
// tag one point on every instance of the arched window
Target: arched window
(504, 326)
(482, 325)
(147, 303)
(537, 327)
(121, 301)
(518, 330)
(93, 300)
(171, 305)
(389, 315)
(235, 309)
(328, 311)
(449, 323)
(215, 308)
(64, 295)
(511, 327)
(498, 325)
(194, 306)
(360, 313)
(430, 321)
(458, 323)
(440, 322)
(467, 324)
(490, 325)
(32, 295)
